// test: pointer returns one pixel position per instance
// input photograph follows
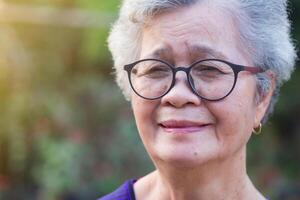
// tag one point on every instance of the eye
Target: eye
(152, 70)
(157, 69)
(207, 70)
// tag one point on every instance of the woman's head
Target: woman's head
(262, 26)
(180, 127)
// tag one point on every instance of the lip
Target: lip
(182, 126)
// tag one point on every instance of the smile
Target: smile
(174, 126)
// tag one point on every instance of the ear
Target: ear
(264, 101)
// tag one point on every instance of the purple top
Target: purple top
(124, 192)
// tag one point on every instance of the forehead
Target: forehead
(201, 30)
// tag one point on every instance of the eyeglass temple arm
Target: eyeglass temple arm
(253, 70)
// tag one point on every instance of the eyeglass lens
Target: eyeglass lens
(210, 79)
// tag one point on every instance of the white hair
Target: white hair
(264, 29)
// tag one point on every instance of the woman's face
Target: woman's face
(181, 128)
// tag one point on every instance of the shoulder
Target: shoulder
(124, 192)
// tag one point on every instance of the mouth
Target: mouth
(183, 126)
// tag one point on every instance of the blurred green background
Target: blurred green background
(66, 131)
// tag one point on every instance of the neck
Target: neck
(224, 180)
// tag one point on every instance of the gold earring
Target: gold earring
(257, 130)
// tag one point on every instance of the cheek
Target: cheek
(144, 115)
(235, 116)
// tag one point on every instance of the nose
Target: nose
(181, 94)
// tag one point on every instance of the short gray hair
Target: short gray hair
(264, 29)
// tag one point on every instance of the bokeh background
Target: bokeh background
(66, 132)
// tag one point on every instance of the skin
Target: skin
(207, 160)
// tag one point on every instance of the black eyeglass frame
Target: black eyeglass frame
(235, 67)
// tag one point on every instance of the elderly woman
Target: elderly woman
(202, 76)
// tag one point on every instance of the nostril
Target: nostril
(180, 95)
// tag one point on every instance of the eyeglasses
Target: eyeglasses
(210, 79)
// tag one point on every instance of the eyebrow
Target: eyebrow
(161, 53)
(195, 52)
(204, 51)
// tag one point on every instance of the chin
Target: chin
(185, 159)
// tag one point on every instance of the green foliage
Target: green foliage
(99, 5)
(58, 169)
